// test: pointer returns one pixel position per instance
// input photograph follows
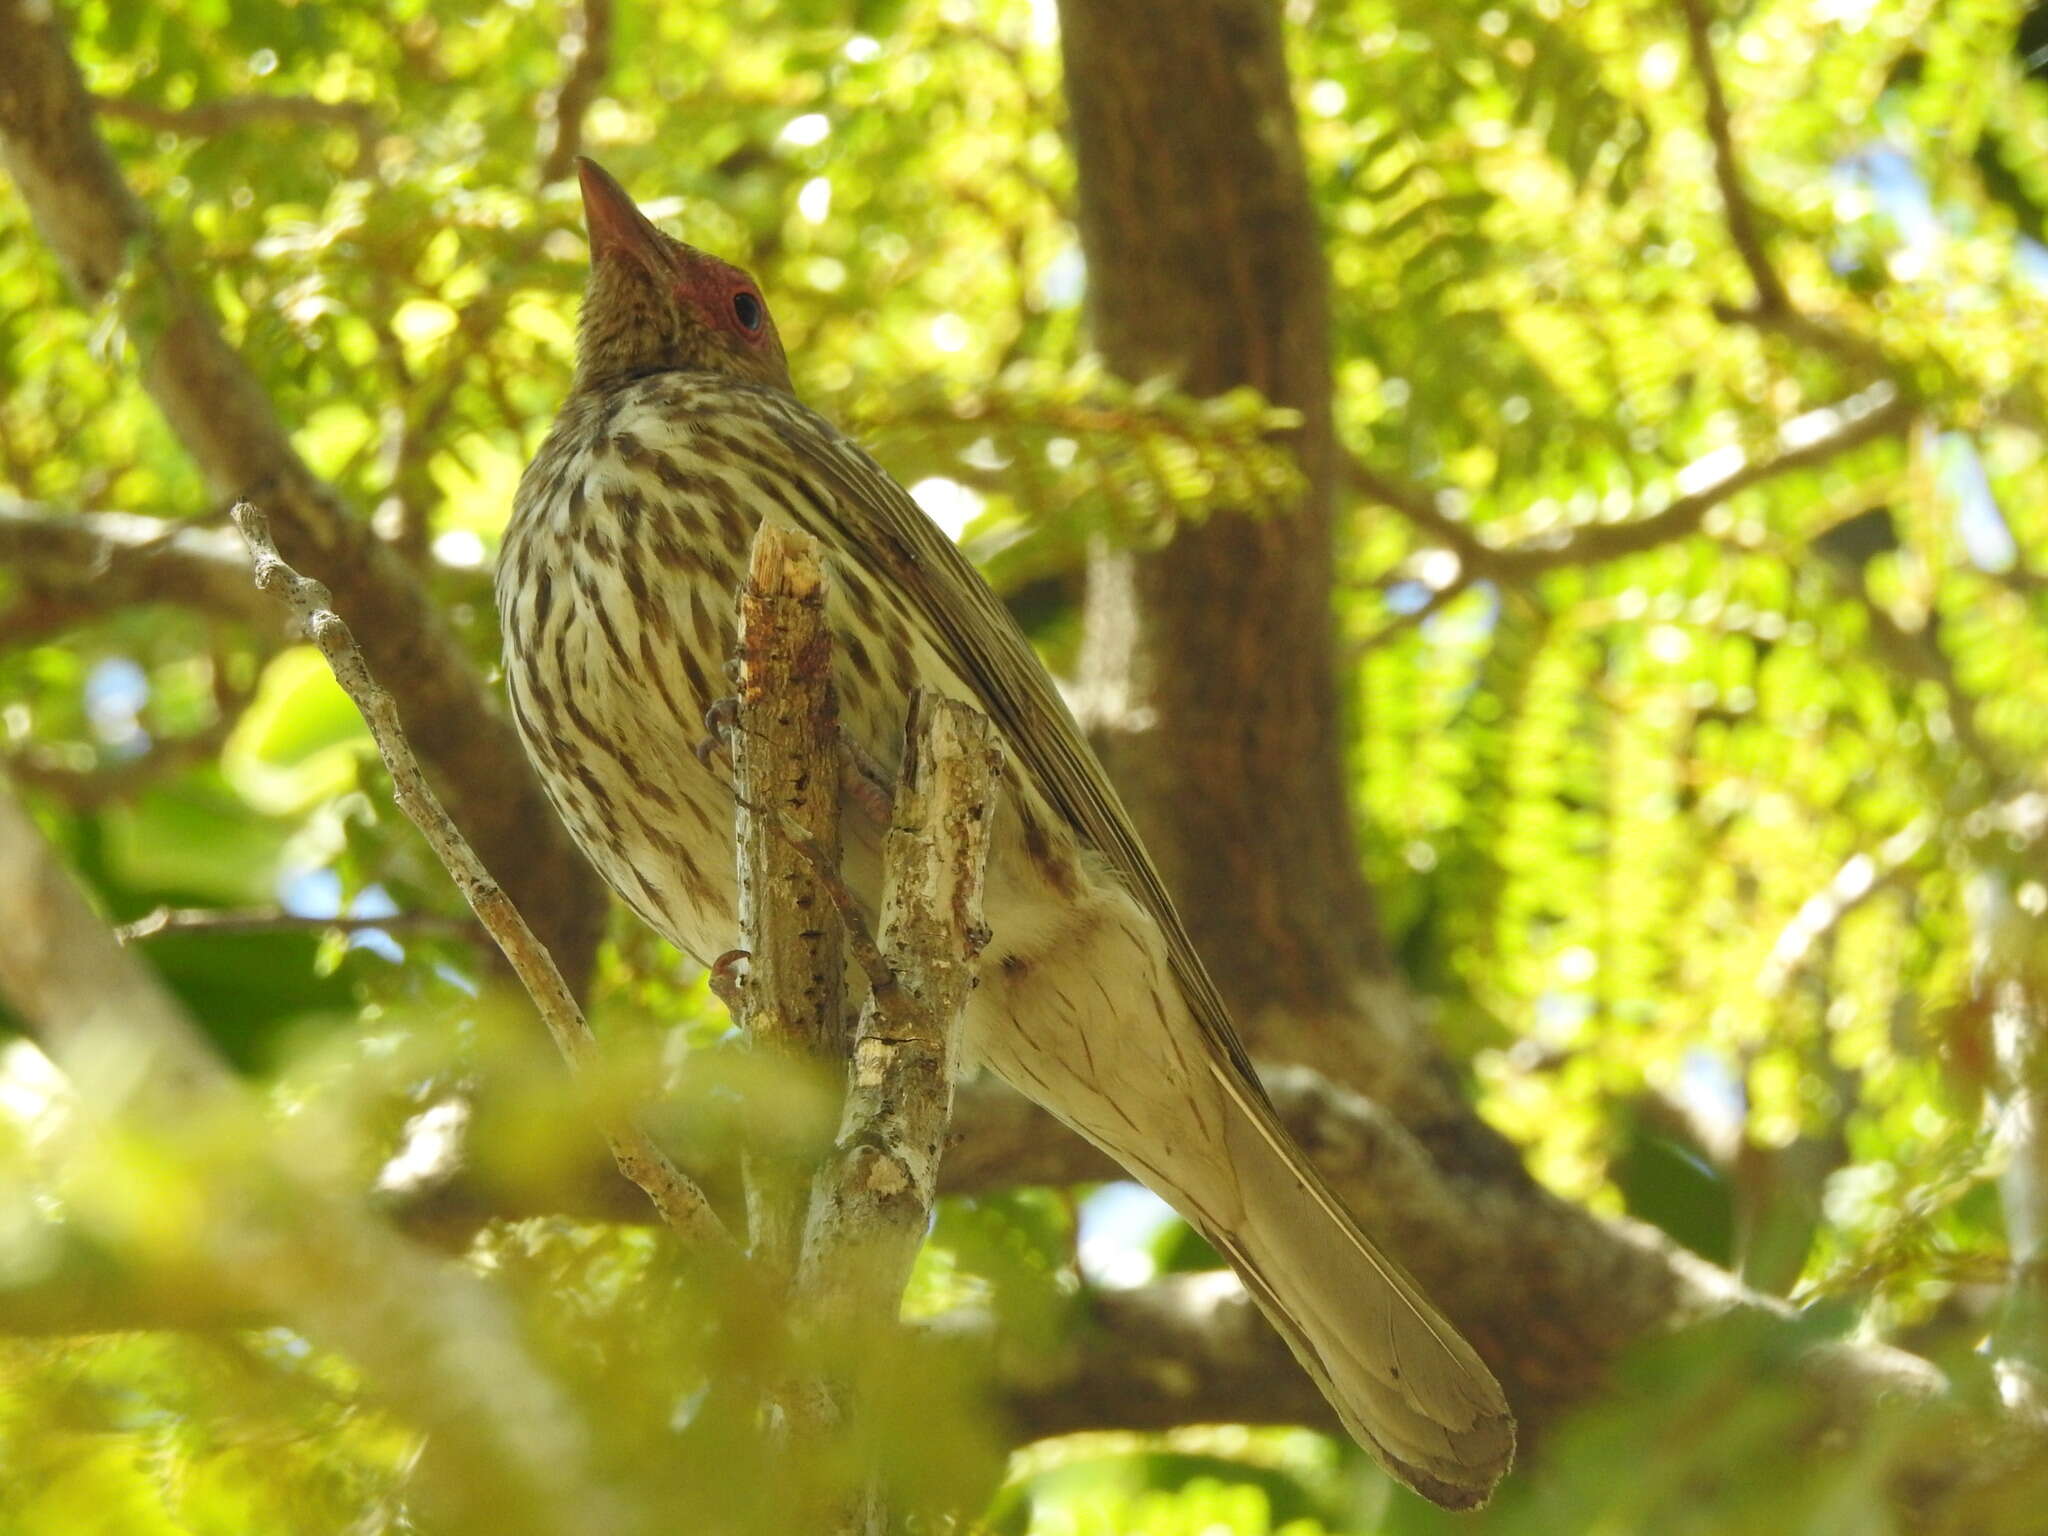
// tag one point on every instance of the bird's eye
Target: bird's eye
(746, 309)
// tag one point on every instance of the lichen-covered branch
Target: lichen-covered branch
(844, 1223)
(681, 1204)
(873, 1200)
(785, 749)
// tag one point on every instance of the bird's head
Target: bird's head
(654, 302)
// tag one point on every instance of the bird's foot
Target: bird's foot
(729, 979)
(721, 719)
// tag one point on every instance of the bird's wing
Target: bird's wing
(985, 646)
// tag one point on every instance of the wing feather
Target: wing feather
(985, 645)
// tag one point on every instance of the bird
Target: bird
(629, 536)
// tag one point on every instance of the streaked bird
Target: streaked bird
(629, 537)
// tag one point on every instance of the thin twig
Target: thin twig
(274, 920)
(1436, 603)
(682, 1204)
(203, 119)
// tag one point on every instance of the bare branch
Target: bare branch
(272, 920)
(1771, 298)
(786, 768)
(225, 114)
(79, 564)
(682, 1205)
(225, 419)
(114, 559)
(586, 51)
(1420, 507)
(1878, 412)
(871, 1205)
(846, 1227)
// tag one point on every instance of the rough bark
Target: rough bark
(785, 751)
(225, 420)
(1205, 266)
(839, 1225)
(873, 1201)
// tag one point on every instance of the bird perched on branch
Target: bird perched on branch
(629, 537)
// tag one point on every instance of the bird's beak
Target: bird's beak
(614, 221)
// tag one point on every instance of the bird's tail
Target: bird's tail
(1403, 1381)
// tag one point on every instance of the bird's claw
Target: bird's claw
(721, 719)
(729, 979)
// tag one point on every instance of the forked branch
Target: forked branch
(848, 1230)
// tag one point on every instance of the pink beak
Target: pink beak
(615, 222)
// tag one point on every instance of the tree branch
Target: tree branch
(271, 920)
(845, 1227)
(870, 1206)
(202, 119)
(1771, 298)
(1772, 309)
(113, 560)
(681, 1204)
(1878, 412)
(226, 421)
(586, 52)
(259, 1236)
(785, 753)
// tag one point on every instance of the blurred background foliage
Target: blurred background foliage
(1702, 851)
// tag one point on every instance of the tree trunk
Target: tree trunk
(1209, 666)
(1211, 685)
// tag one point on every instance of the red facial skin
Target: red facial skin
(717, 298)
